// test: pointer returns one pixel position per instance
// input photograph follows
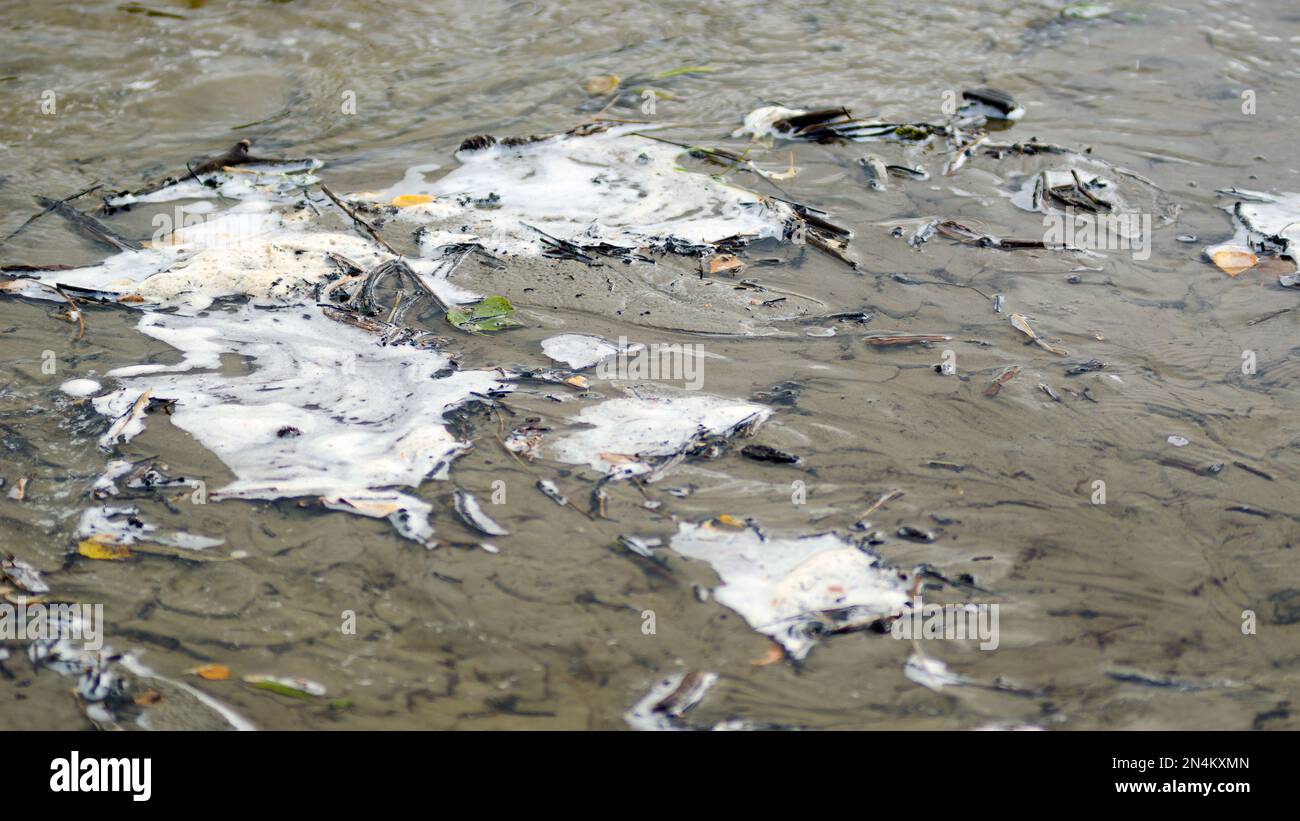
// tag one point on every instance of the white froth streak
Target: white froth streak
(326, 411)
(615, 187)
(780, 585)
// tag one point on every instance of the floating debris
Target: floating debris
(485, 316)
(795, 589)
(357, 436)
(1085, 367)
(233, 174)
(21, 575)
(632, 435)
(128, 423)
(552, 492)
(1021, 323)
(294, 687)
(471, 513)
(916, 534)
(877, 173)
(932, 673)
(19, 491)
(1006, 375)
(764, 453)
(888, 340)
(109, 528)
(1271, 222)
(80, 387)
(1181, 685)
(989, 103)
(584, 195)
(526, 440)
(641, 545)
(662, 707)
(1232, 259)
(582, 351)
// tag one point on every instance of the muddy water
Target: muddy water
(1126, 614)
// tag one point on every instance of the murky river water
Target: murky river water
(1127, 614)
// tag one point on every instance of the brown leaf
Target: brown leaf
(726, 262)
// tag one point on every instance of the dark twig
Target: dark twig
(49, 208)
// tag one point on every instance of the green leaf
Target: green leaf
(292, 687)
(677, 72)
(488, 315)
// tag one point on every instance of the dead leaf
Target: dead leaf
(1232, 259)
(578, 382)
(149, 698)
(94, 548)
(601, 85)
(407, 200)
(212, 672)
(726, 262)
(616, 458)
(773, 655)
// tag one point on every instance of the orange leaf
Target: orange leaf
(407, 200)
(772, 656)
(1232, 259)
(213, 672)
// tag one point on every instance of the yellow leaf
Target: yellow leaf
(1232, 259)
(149, 698)
(212, 672)
(601, 84)
(577, 381)
(407, 200)
(730, 521)
(105, 551)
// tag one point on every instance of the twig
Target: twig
(367, 227)
(50, 208)
(89, 225)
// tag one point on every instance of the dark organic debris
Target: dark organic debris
(764, 453)
(1085, 367)
(1001, 379)
(990, 102)
(902, 340)
(235, 156)
(88, 225)
(916, 534)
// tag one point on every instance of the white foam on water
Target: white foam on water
(581, 351)
(1270, 215)
(780, 585)
(248, 181)
(649, 425)
(268, 257)
(931, 673)
(80, 387)
(614, 187)
(326, 411)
